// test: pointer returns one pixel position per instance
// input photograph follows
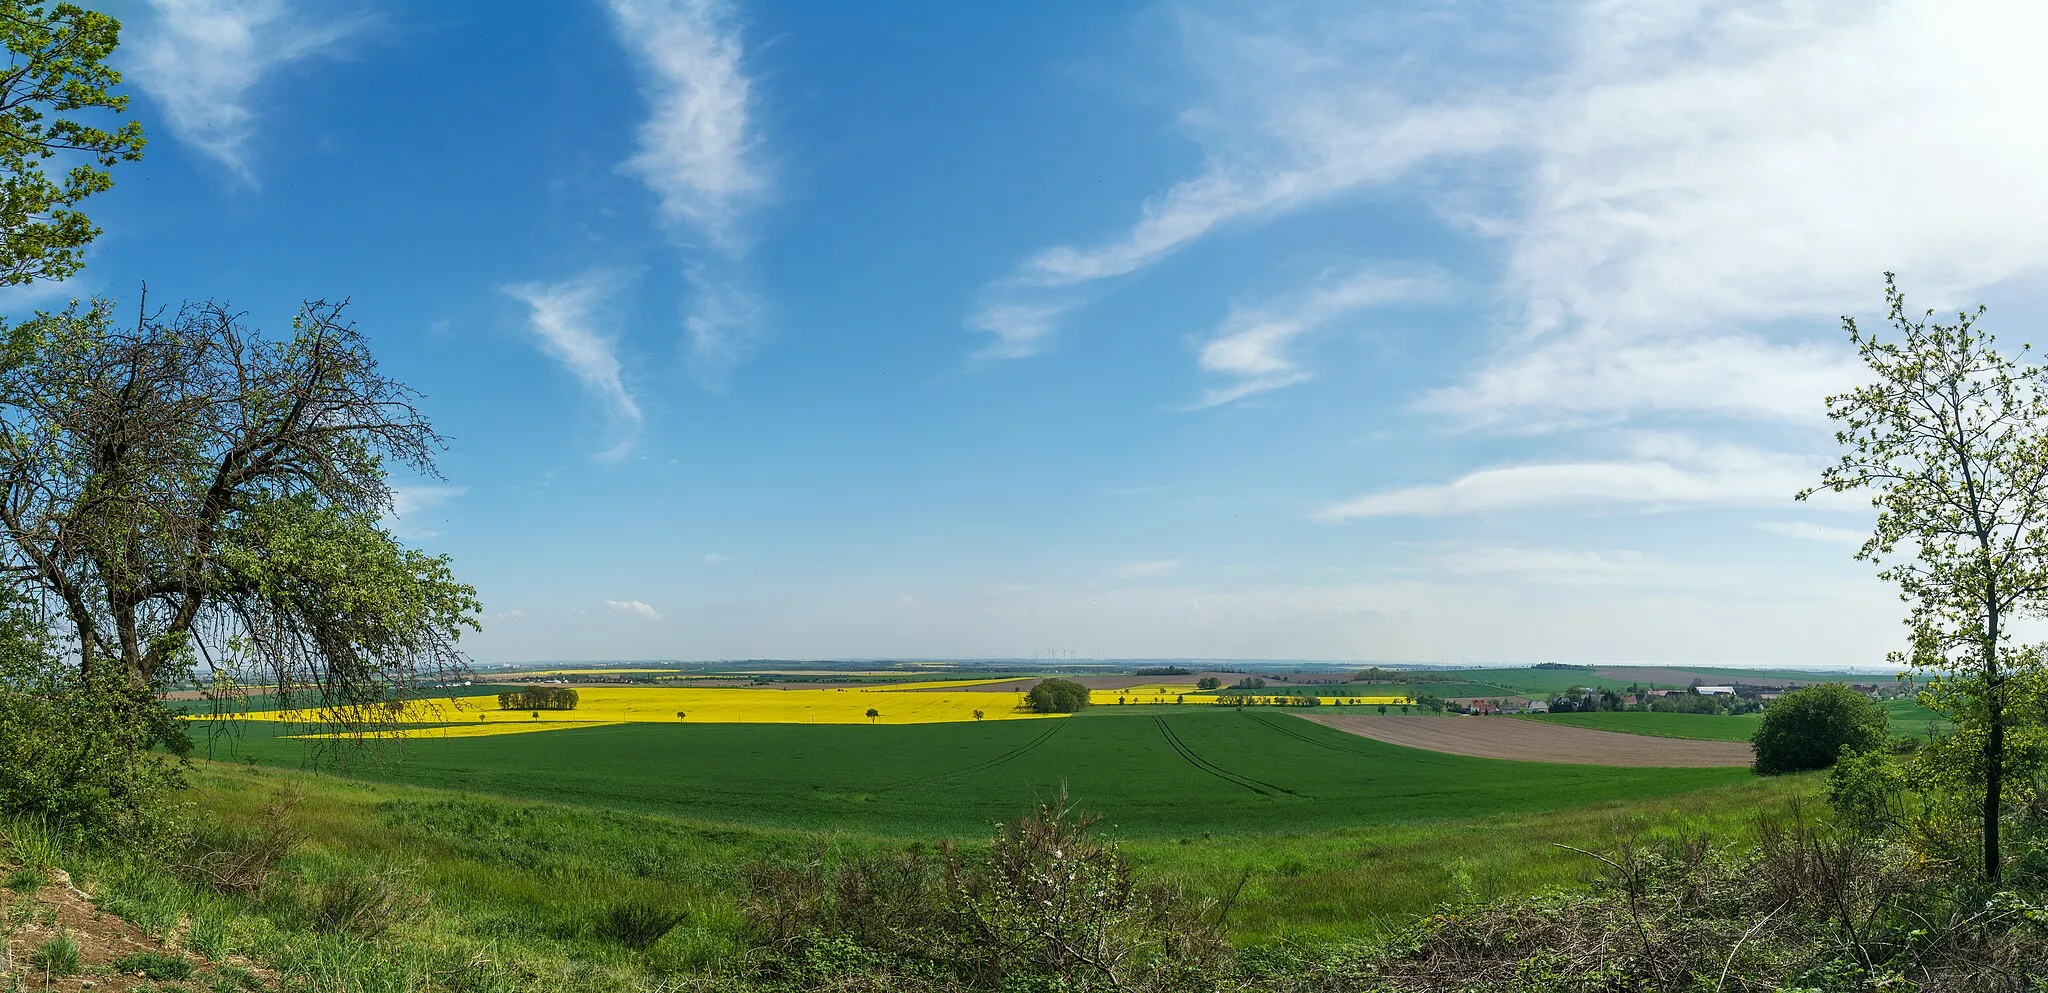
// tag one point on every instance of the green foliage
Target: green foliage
(1048, 906)
(1951, 439)
(96, 760)
(1810, 727)
(57, 956)
(541, 698)
(154, 965)
(1057, 696)
(1208, 683)
(638, 924)
(363, 904)
(1868, 790)
(57, 67)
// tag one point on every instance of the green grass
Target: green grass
(1907, 718)
(1707, 727)
(1211, 769)
(551, 880)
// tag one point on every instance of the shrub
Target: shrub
(365, 906)
(1808, 728)
(638, 924)
(1048, 907)
(57, 956)
(153, 965)
(1057, 696)
(243, 860)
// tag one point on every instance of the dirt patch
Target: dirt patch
(102, 940)
(1533, 741)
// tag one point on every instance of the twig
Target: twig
(1725, 966)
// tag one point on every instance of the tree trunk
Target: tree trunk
(1994, 747)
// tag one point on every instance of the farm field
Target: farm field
(1190, 770)
(1509, 738)
(1703, 727)
(1907, 718)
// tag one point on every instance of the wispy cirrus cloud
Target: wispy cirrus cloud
(201, 60)
(1659, 472)
(564, 319)
(1668, 186)
(699, 152)
(1254, 344)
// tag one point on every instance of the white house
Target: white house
(1716, 690)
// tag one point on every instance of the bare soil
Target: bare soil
(1534, 741)
(102, 939)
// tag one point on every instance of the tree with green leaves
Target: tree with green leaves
(186, 491)
(56, 82)
(1810, 727)
(1950, 437)
(1057, 696)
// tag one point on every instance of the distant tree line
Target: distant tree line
(538, 698)
(1165, 670)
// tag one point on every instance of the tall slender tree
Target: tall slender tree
(1950, 437)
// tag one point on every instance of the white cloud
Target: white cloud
(1664, 471)
(634, 607)
(1019, 329)
(700, 154)
(1815, 532)
(511, 615)
(1143, 570)
(200, 60)
(1253, 343)
(715, 558)
(563, 317)
(410, 503)
(1685, 193)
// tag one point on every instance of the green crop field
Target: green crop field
(1907, 718)
(1709, 727)
(1152, 775)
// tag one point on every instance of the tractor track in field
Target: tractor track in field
(986, 764)
(1258, 786)
(1304, 738)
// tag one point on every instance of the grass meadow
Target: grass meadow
(1165, 773)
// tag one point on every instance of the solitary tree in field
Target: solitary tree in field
(872, 714)
(1951, 438)
(977, 715)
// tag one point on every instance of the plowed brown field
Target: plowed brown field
(1532, 741)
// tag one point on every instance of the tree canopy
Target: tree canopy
(1950, 438)
(1808, 728)
(186, 491)
(1057, 696)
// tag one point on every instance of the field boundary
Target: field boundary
(1259, 786)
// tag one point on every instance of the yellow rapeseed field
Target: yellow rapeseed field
(670, 705)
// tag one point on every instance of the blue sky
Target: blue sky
(1448, 332)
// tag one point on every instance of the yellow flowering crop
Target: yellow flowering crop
(663, 705)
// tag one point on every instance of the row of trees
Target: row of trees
(540, 698)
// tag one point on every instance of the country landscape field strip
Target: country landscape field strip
(1279, 724)
(1255, 785)
(1013, 754)
(1534, 741)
